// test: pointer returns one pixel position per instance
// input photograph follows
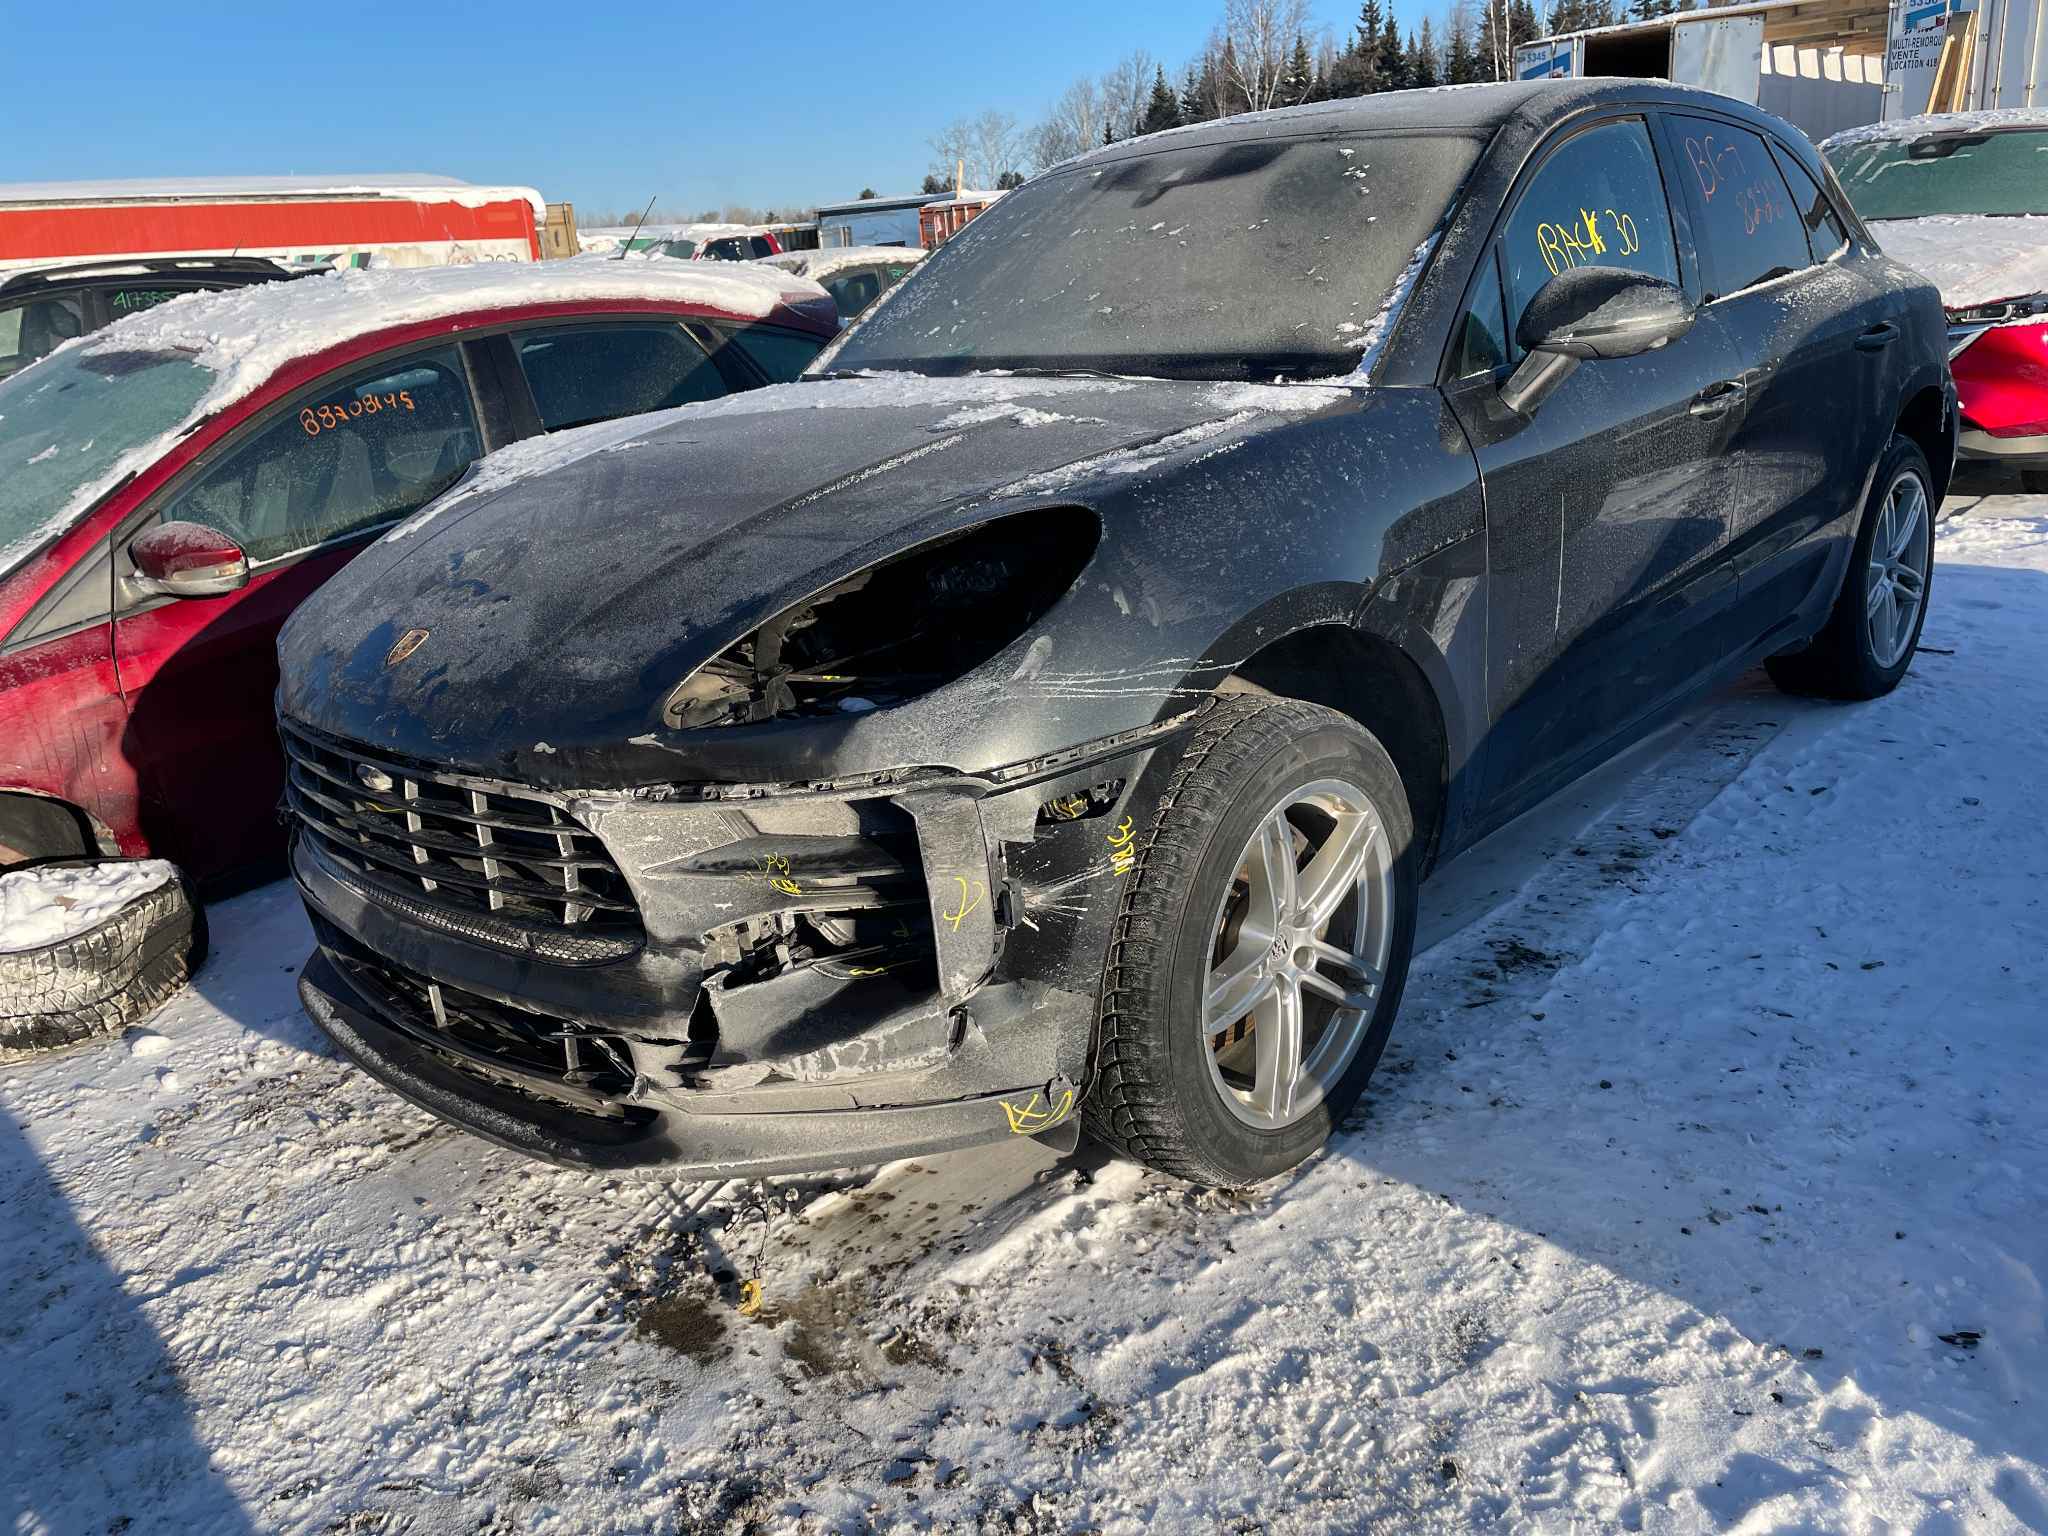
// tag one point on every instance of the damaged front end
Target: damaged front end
(720, 978)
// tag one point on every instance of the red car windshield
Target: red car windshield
(67, 425)
(1999, 172)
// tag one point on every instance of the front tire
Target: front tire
(1870, 636)
(1258, 959)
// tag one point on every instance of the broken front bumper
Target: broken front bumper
(720, 979)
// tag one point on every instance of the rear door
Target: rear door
(1607, 510)
(301, 489)
(1812, 340)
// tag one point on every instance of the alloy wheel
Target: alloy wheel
(1298, 954)
(1901, 549)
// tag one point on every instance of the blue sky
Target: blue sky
(606, 104)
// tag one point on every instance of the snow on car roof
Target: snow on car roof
(245, 335)
(819, 265)
(1937, 122)
(411, 187)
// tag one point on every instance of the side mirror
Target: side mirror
(187, 560)
(1591, 313)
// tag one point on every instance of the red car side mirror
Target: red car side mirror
(188, 560)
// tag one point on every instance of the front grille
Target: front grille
(531, 1052)
(465, 847)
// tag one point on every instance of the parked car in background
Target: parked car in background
(685, 242)
(1963, 198)
(855, 276)
(171, 488)
(1061, 714)
(41, 309)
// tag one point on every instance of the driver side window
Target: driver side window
(1598, 200)
(352, 456)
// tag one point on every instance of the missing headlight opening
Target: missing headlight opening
(895, 630)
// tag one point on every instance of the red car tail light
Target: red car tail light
(2002, 380)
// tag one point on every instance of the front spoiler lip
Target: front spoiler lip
(667, 1144)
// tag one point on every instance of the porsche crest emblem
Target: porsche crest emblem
(408, 642)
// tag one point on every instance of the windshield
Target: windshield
(66, 422)
(1246, 260)
(1999, 173)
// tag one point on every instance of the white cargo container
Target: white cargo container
(1823, 65)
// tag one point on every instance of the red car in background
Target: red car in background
(1963, 197)
(173, 486)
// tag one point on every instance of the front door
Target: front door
(301, 492)
(1607, 507)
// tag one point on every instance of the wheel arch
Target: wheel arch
(37, 825)
(1928, 421)
(1373, 681)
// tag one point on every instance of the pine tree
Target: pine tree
(1162, 111)
(1301, 75)
(1392, 65)
(1461, 64)
(1424, 67)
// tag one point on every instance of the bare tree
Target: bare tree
(1258, 39)
(998, 148)
(953, 149)
(1073, 125)
(1123, 93)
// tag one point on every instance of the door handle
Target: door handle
(1718, 399)
(1877, 338)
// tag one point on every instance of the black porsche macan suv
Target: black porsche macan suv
(1048, 708)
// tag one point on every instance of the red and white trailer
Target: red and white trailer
(399, 221)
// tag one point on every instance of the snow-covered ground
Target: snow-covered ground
(1703, 1188)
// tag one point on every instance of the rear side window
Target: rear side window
(1597, 201)
(350, 457)
(780, 354)
(588, 373)
(1748, 227)
(854, 291)
(1824, 232)
(37, 328)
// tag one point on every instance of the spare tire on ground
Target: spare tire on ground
(90, 946)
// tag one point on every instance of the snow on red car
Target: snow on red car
(173, 486)
(1963, 197)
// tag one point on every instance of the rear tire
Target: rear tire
(102, 980)
(1174, 1090)
(1869, 639)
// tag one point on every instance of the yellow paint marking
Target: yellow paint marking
(969, 900)
(1123, 857)
(1028, 1118)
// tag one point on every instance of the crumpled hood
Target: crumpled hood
(1972, 258)
(568, 583)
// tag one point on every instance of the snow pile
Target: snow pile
(820, 265)
(1699, 1190)
(55, 902)
(1930, 123)
(1972, 258)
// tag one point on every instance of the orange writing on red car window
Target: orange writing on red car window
(315, 419)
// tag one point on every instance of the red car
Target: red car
(173, 486)
(1963, 196)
